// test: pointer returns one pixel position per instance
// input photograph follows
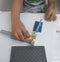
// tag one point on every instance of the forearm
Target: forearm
(16, 8)
(51, 3)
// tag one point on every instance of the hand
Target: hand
(18, 30)
(50, 14)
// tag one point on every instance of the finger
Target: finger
(48, 15)
(51, 18)
(21, 37)
(16, 35)
(26, 33)
(54, 17)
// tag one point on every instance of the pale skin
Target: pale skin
(18, 29)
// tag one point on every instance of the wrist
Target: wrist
(15, 17)
(51, 6)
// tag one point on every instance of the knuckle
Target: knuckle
(21, 39)
(25, 31)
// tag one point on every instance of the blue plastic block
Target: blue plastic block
(36, 25)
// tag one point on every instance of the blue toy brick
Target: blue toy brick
(40, 27)
(36, 25)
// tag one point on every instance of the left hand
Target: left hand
(50, 14)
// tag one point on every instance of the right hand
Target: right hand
(51, 14)
(18, 30)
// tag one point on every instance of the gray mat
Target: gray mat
(28, 54)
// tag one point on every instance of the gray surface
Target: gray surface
(5, 5)
(28, 54)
